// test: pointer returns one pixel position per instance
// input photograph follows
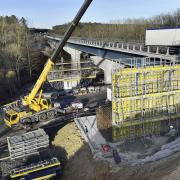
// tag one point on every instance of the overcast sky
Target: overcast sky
(47, 13)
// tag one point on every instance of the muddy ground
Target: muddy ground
(79, 164)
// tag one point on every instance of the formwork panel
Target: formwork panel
(142, 98)
(131, 108)
(127, 83)
(130, 132)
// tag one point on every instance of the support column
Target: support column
(75, 64)
(140, 48)
(75, 57)
(108, 66)
(157, 50)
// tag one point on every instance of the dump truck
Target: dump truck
(34, 107)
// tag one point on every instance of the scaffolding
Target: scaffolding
(73, 71)
(145, 101)
(68, 74)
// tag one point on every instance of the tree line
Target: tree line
(122, 29)
(20, 58)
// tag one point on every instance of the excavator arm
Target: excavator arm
(29, 98)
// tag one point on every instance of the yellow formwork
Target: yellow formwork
(132, 82)
(145, 106)
(124, 133)
(140, 129)
(144, 98)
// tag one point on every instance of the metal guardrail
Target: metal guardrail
(161, 50)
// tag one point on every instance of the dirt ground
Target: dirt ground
(80, 165)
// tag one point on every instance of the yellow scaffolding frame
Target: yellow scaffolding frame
(143, 98)
(132, 82)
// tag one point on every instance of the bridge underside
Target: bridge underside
(106, 54)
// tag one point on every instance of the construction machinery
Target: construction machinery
(41, 170)
(30, 157)
(33, 107)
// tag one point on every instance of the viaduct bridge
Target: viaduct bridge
(111, 55)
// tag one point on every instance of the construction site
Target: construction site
(100, 109)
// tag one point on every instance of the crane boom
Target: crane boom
(70, 30)
(28, 99)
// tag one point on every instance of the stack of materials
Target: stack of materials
(27, 144)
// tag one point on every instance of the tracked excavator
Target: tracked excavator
(33, 107)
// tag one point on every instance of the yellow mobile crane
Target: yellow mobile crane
(33, 108)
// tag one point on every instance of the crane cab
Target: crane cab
(12, 117)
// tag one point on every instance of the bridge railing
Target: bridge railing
(139, 47)
(130, 47)
(145, 62)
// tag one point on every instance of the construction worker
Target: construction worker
(86, 129)
(172, 133)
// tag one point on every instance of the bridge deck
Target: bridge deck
(131, 49)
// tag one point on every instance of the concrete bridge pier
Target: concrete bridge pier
(74, 80)
(108, 66)
(75, 57)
